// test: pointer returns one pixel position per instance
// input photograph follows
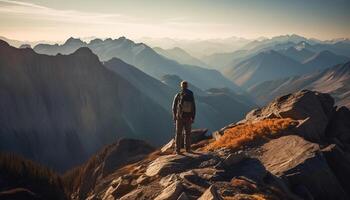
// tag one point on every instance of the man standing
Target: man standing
(184, 111)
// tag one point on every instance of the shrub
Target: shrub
(248, 133)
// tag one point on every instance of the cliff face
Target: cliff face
(297, 147)
(60, 109)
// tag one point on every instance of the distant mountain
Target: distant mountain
(18, 43)
(324, 59)
(179, 55)
(60, 109)
(144, 58)
(199, 47)
(210, 114)
(221, 60)
(298, 54)
(216, 106)
(265, 66)
(334, 80)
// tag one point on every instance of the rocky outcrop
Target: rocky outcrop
(309, 161)
(302, 164)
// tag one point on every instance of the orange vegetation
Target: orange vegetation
(247, 133)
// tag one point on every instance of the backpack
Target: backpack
(184, 104)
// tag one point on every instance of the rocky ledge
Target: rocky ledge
(308, 160)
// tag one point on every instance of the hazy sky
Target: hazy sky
(60, 19)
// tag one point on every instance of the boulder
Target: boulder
(234, 158)
(169, 146)
(135, 194)
(119, 187)
(339, 125)
(301, 163)
(172, 192)
(169, 164)
(339, 161)
(168, 180)
(210, 194)
(316, 107)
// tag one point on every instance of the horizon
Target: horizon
(38, 20)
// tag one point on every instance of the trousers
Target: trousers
(183, 125)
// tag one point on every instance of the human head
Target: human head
(184, 84)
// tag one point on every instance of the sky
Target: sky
(58, 20)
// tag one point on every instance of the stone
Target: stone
(339, 125)
(234, 158)
(172, 192)
(301, 162)
(183, 196)
(311, 108)
(142, 179)
(339, 161)
(174, 163)
(210, 194)
(169, 146)
(135, 194)
(168, 180)
(198, 135)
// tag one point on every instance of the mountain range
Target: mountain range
(334, 80)
(144, 58)
(72, 103)
(83, 103)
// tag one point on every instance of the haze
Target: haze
(58, 20)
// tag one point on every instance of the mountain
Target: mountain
(179, 55)
(255, 158)
(268, 65)
(144, 58)
(25, 179)
(334, 80)
(214, 109)
(221, 60)
(198, 47)
(324, 59)
(60, 109)
(298, 54)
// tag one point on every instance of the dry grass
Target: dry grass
(247, 133)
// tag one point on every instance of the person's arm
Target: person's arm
(174, 107)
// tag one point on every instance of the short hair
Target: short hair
(183, 83)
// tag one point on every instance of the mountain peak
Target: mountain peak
(74, 41)
(83, 51)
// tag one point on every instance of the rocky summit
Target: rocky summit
(296, 147)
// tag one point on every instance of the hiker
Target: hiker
(184, 111)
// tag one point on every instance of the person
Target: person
(184, 111)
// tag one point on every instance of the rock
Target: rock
(301, 163)
(198, 135)
(210, 194)
(249, 168)
(173, 163)
(168, 180)
(118, 188)
(135, 194)
(183, 196)
(123, 152)
(314, 106)
(169, 146)
(172, 192)
(142, 179)
(339, 161)
(339, 125)
(234, 158)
